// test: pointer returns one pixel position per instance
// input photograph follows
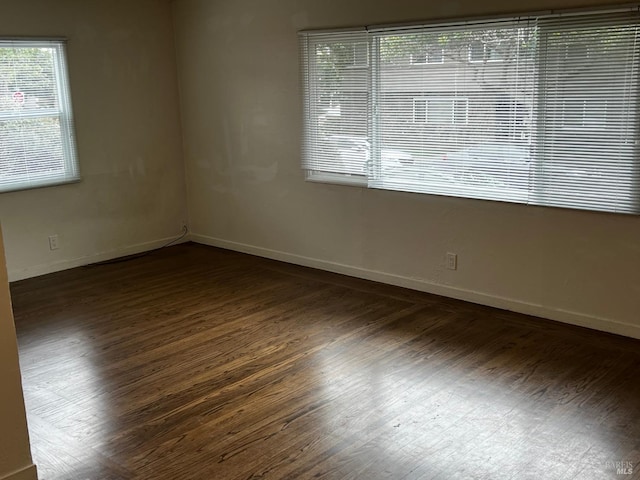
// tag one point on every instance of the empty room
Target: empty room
(294, 239)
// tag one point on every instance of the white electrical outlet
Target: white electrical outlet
(452, 261)
(53, 242)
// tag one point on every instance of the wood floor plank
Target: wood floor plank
(199, 363)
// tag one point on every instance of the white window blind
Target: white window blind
(587, 113)
(337, 88)
(540, 110)
(37, 146)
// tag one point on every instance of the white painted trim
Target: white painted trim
(44, 269)
(560, 315)
(27, 473)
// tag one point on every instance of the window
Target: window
(442, 110)
(584, 113)
(357, 55)
(541, 110)
(428, 56)
(479, 51)
(37, 145)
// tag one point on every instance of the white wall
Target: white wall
(15, 455)
(121, 58)
(241, 115)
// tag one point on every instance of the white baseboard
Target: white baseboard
(27, 473)
(565, 316)
(44, 269)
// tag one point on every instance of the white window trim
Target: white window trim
(336, 178)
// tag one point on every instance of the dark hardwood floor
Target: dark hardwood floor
(195, 363)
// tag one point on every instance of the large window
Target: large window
(37, 145)
(540, 110)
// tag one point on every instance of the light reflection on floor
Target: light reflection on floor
(438, 419)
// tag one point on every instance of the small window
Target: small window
(37, 146)
(480, 52)
(576, 49)
(358, 55)
(440, 110)
(584, 114)
(427, 57)
(419, 110)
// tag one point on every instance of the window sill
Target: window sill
(336, 178)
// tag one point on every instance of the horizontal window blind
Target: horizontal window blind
(473, 140)
(337, 110)
(587, 151)
(37, 147)
(540, 110)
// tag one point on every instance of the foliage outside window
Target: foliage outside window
(37, 145)
(540, 110)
